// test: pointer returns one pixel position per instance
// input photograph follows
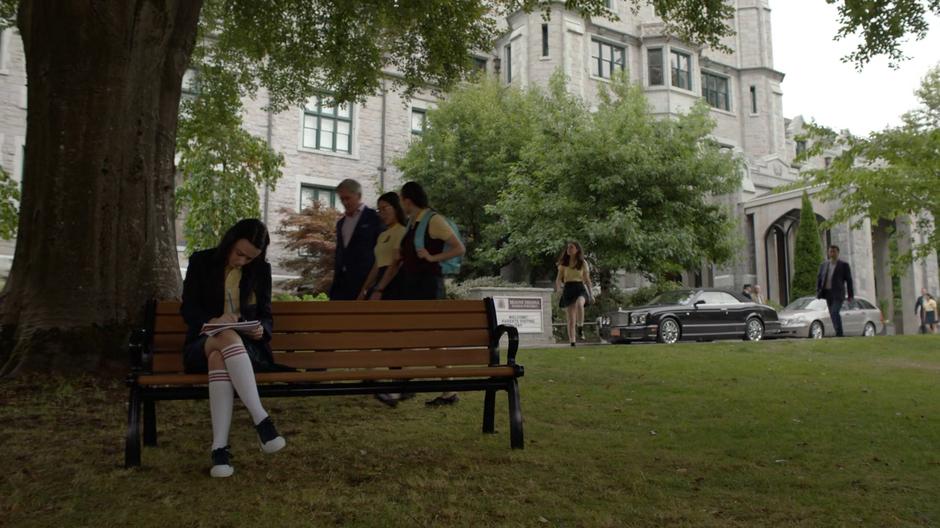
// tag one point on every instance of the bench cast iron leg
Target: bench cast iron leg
(150, 423)
(515, 417)
(489, 411)
(132, 440)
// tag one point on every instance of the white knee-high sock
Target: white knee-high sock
(221, 401)
(239, 369)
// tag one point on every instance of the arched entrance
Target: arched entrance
(779, 247)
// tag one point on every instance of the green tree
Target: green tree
(636, 190)
(891, 174)
(222, 165)
(469, 146)
(808, 252)
(9, 200)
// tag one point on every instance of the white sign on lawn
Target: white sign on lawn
(525, 313)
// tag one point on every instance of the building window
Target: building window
(545, 40)
(190, 86)
(800, 147)
(310, 193)
(753, 99)
(479, 63)
(827, 161)
(327, 126)
(509, 62)
(715, 91)
(419, 118)
(606, 58)
(609, 4)
(681, 70)
(654, 59)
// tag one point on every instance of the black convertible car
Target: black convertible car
(698, 314)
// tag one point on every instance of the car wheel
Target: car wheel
(869, 330)
(669, 331)
(816, 330)
(754, 329)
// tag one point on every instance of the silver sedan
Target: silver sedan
(809, 317)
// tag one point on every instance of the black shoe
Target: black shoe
(220, 463)
(441, 400)
(387, 399)
(572, 344)
(271, 442)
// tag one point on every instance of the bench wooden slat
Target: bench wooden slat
(352, 340)
(345, 323)
(173, 362)
(354, 307)
(339, 375)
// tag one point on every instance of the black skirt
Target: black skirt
(571, 292)
(420, 286)
(195, 361)
(392, 289)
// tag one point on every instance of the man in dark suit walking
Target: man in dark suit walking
(356, 234)
(832, 283)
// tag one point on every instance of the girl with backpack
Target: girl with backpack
(420, 267)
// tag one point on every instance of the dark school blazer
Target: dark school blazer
(204, 295)
(353, 262)
(841, 280)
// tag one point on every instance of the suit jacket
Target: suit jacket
(204, 294)
(841, 280)
(353, 262)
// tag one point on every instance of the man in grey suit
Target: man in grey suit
(832, 283)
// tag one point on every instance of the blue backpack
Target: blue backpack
(450, 266)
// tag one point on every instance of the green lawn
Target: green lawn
(788, 433)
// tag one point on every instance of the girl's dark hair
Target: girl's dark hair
(564, 259)
(252, 230)
(414, 192)
(392, 199)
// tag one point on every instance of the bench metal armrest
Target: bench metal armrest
(513, 334)
(135, 349)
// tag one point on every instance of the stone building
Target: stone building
(323, 145)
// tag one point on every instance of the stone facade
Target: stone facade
(531, 49)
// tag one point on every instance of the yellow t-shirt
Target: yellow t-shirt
(572, 274)
(930, 306)
(388, 243)
(233, 277)
(438, 227)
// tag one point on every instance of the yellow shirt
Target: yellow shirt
(388, 243)
(233, 277)
(572, 274)
(930, 306)
(438, 227)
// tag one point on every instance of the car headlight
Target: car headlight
(638, 319)
(604, 320)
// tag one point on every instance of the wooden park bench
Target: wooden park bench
(340, 348)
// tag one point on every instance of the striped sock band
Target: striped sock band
(233, 350)
(219, 375)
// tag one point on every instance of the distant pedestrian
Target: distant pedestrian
(386, 250)
(930, 313)
(919, 310)
(746, 292)
(420, 271)
(574, 282)
(832, 283)
(356, 233)
(756, 295)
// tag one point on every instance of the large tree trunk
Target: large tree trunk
(96, 235)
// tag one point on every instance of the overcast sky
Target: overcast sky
(818, 85)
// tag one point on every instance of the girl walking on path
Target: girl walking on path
(226, 284)
(930, 314)
(386, 250)
(574, 282)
